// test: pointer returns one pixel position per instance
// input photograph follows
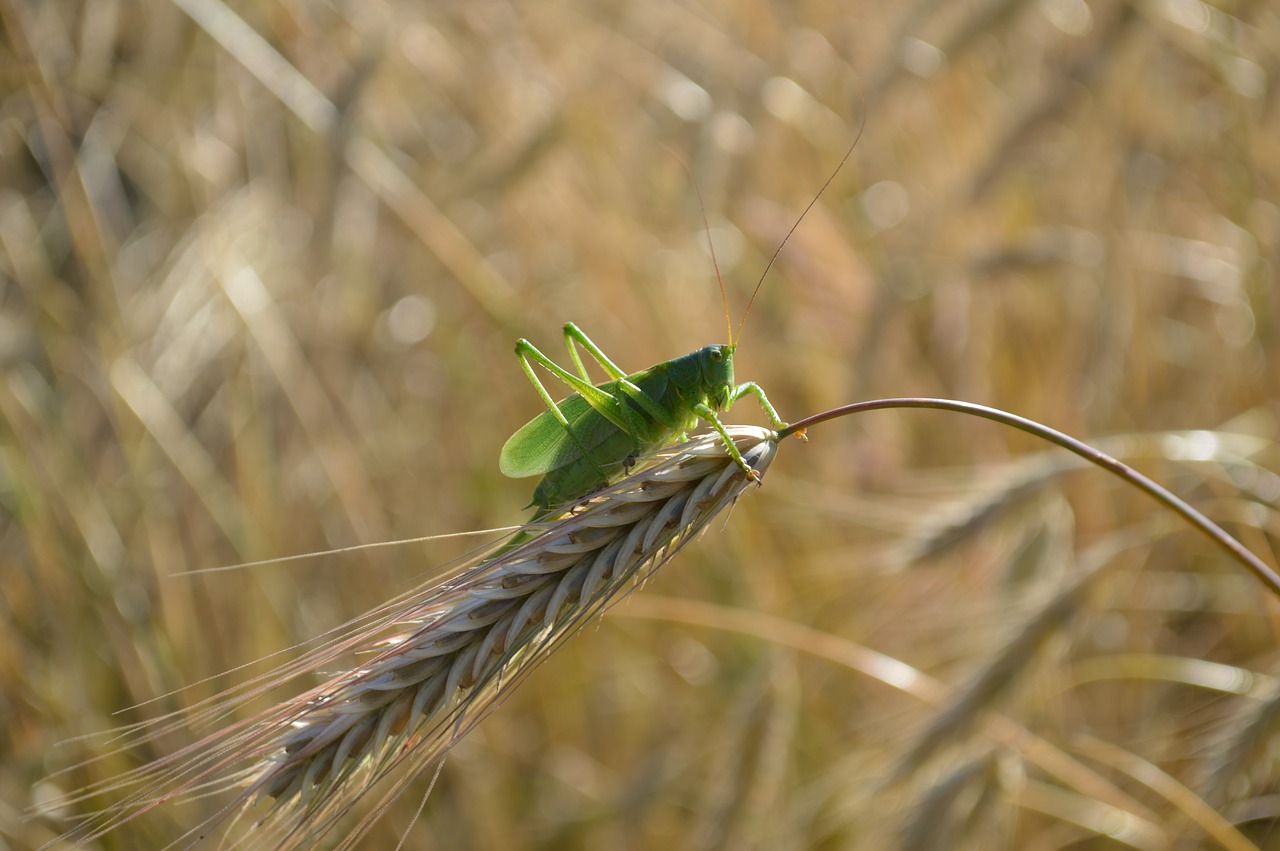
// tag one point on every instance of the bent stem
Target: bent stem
(1264, 572)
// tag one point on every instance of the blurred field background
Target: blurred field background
(263, 265)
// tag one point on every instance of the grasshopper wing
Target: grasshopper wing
(543, 444)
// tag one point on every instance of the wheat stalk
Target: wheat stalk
(440, 657)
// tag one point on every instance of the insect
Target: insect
(579, 443)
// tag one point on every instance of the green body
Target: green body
(579, 444)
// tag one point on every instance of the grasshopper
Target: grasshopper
(579, 443)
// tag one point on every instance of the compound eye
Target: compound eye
(717, 354)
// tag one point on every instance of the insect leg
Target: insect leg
(573, 334)
(757, 391)
(703, 411)
(526, 352)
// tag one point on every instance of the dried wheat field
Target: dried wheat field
(262, 269)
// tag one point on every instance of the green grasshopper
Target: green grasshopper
(579, 443)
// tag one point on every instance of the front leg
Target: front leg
(704, 412)
(756, 390)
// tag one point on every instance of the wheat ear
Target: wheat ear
(439, 660)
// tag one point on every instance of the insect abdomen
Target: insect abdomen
(584, 475)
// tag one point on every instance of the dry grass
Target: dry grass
(259, 297)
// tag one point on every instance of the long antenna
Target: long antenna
(733, 340)
(706, 227)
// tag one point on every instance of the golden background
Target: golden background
(263, 266)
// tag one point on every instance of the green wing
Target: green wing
(542, 444)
